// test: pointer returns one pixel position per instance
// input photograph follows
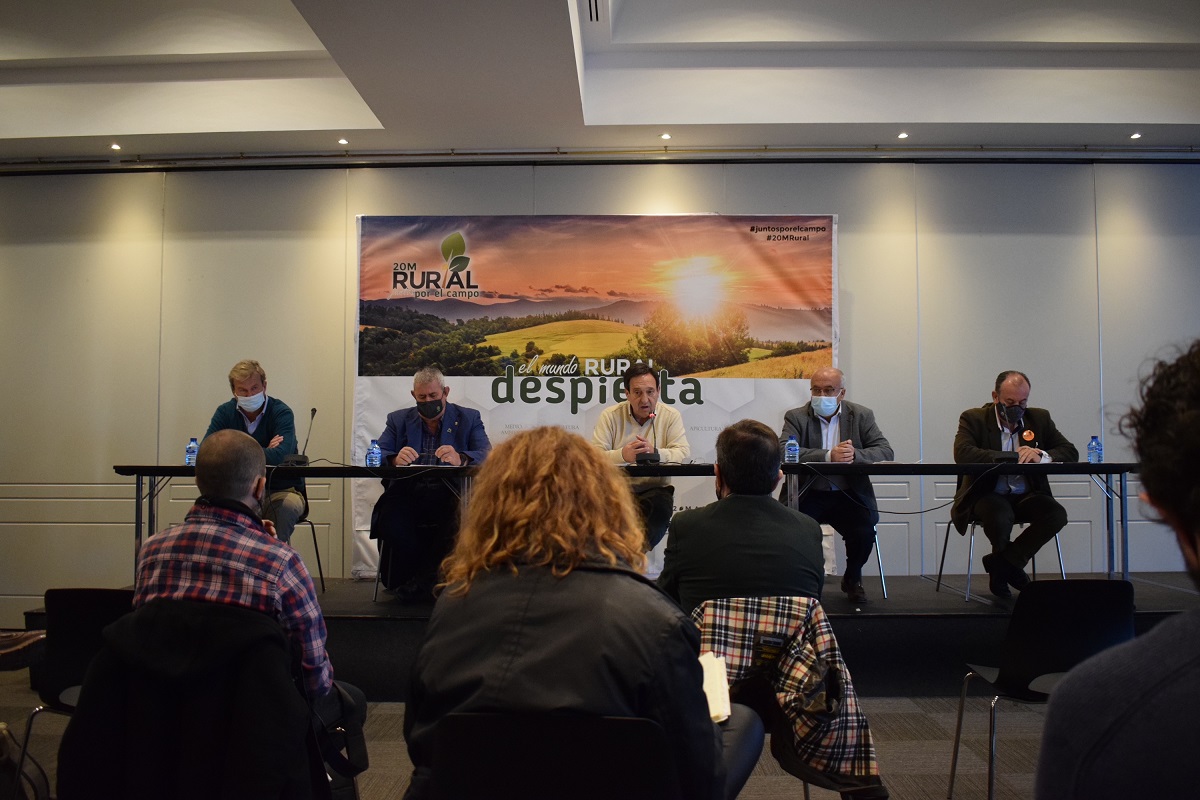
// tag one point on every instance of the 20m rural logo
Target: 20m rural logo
(454, 280)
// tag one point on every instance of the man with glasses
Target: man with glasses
(998, 431)
(830, 429)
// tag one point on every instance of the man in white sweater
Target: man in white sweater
(638, 426)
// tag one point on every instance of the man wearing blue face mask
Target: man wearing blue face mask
(270, 422)
(986, 434)
(828, 428)
(415, 519)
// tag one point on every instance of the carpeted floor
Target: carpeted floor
(913, 737)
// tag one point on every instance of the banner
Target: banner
(533, 319)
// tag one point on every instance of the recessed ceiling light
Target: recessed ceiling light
(1135, 136)
(116, 146)
(343, 141)
(665, 136)
(902, 135)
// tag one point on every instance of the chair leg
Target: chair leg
(962, 702)
(992, 750)
(942, 565)
(879, 560)
(805, 790)
(28, 735)
(317, 550)
(1033, 566)
(970, 561)
(1061, 567)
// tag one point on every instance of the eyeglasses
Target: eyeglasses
(817, 391)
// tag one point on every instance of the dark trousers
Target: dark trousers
(656, 505)
(415, 521)
(741, 745)
(997, 513)
(850, 518)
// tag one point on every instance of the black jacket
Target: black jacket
(742, 546)
(601, 640)
(978, 442)
(189, 700)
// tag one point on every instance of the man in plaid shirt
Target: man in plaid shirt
(224, 552)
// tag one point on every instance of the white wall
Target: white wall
(124, 300)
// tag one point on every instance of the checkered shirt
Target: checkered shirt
(219, 555)
(811, 681)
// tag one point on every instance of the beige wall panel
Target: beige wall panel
(254, 267)
(79, 308)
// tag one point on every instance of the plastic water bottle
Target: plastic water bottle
(1095, 451)
(374, 454)
(189, 453)
(791, 451)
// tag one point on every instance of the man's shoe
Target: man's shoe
(998, 574)
(854, 591)
(1017, 578)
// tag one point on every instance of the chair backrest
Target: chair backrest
(1057, 624)
(540, 756)
(75, 621)
(191, 700)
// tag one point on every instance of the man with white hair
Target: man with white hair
(415, 519)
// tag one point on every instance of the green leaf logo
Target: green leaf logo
(459, 263)
(453, 246)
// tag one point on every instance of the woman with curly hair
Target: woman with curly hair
(544, 608)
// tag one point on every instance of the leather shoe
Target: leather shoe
(998, 573)
(1017, 578)
(854, 591)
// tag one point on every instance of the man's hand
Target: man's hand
(842, 453)
(638, 445)
(269, 527)
(449, 455)
(1028, 455)
(405, 457)
(276, 440)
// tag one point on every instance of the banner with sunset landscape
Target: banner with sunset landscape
(533, 318)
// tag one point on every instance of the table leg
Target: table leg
(138, 482)
(1124, 525)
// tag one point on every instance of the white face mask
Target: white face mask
(252, 403)
(825, 406)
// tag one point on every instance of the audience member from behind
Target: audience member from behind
(545, 609)
(224, 552)
(746, 544)
(1124, 723)
(271, 423)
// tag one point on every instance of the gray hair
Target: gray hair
(429, 375)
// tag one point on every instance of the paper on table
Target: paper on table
(716, 686)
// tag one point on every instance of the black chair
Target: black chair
(193, 700)
(1054, 626)
(75, 620)
(304, 520)
(542, 756)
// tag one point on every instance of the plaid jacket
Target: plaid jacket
(790, 638)
(222, 555)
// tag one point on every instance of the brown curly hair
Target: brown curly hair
(545, 497)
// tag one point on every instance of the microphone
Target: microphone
(652, 457)
(300, 459)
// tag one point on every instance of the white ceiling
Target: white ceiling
(216, 81)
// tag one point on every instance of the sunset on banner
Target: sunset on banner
(698, 295)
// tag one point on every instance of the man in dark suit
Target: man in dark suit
(985, 434)
(746, 544)
(415, 519)
(828, 428)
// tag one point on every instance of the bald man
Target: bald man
(830, 429)
(225, 552)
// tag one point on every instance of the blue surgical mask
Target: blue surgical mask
(825, 406)
(252, 403)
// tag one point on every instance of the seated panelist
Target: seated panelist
(415, 519)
